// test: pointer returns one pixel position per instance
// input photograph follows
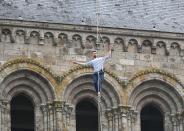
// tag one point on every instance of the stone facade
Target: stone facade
(146, 67)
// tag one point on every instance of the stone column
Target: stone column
(182, 120)
(174, 122)
(38, 119)
(45, 117)
(115, 119)
(129, 121)
(66, 114)
(123, 118)
(60, 117)
(179, 118)
(109, 117)
(167, 122)
(51, 116)
(177, 121)
(58, 113)
(133, 118)
(5, 116)
(1, 115)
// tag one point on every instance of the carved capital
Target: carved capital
(44, 108)
(109, 114)
(124, 110)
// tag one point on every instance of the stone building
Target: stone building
(42, 90)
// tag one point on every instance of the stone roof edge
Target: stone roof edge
(92, 29)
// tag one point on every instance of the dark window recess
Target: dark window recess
(151, 119)
(86, 116)
(22, 114)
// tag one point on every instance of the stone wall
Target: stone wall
(146, 67)
(58, 45)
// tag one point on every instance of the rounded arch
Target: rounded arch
(156, 85)
(14, 72)
(48, 35)
(165, 95)
(90, 42)
(26, 95)
(119, 44)
(132, 46)
(62, 39)
(79, 85)
(161, 48)
(147, 46)
(175, 49)
(6, 31)
(27, 82)
(34, 34)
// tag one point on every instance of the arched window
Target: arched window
(86, 116)
(151, 119)
(22, 113)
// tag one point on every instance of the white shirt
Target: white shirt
(98, 63)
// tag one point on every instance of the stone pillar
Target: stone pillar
(182, 120)
(129, 121)
(51, 116)
(115, 119)
(1, 109)
(177, 121)
(133, 118)
(45, 117)
(174, 122)
(167, 122)
(58, 113)
(109, 117)
(5, 116)
(38, 119)
(123, 118)
(66, 114)
(179, 118)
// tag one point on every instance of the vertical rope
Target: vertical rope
(97, 40)
(99, 104)
(97, 23)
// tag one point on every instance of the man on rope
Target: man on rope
(98, 65)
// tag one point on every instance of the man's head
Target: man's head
(94, 54)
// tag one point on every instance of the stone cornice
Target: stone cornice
(91, 29)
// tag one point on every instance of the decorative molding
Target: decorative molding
(157, 71)
(59, 78)
(28, 61)
(77, 68)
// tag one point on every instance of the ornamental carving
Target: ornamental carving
(154, 70)
(90, 42)
(6, 36)
(146, 46)
(119, 45)
(62, 39)
(161, 48)
(132, 46)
